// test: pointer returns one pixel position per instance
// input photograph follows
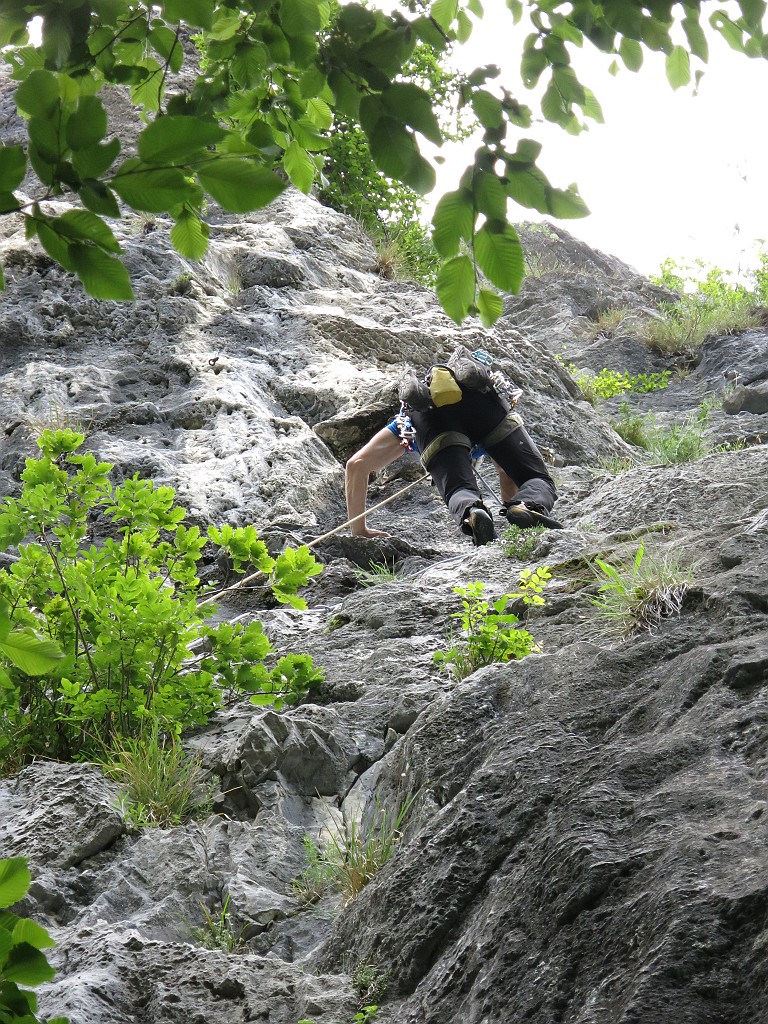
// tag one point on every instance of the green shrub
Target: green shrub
(489, 634)
(609, 383)
(126, 614)
(636, 595)
(23, 965)
(712, 303)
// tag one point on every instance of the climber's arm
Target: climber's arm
(383, 448)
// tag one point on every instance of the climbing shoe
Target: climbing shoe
(480, 525)
(524, 517)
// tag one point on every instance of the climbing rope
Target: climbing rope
(318, 540)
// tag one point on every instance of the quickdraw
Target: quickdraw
(502, 385)
(405, 429)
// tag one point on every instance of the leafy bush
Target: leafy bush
(488, 633)
(126, 613)
(637, 595)
(609, 383)
(22, 962)
(711, 303)
(160, 784)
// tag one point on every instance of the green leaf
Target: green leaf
(2, 280)
(170, 48)
(13, 167)
(238, 184)
(500, 255)
(490, 307)
(81, 225)
(153, 189)
(102, 276)
(38, 96)
(93, 162)
(456, 287)
(14, 880)
(697, 41)
(444, 12)
(300, 17)
(98, 198)
(189, 236)
(87, 125)
(173, 139)
(193, 12)
(27, 966)
(392, 147)
(488, 109)
(527, 186)
(490, 195)
(299, 166)
(29, 931)
(678, 67)
(413, 106)
(566, 204)
(54, 245)
(453, 220)
(728, 29)
(28, 652)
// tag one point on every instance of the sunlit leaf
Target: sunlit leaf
(189, 236)
(678, 67)
(239, 185)
(500, 255)
(456, 287)
(102, 276)
(14, 880)
(173, 139)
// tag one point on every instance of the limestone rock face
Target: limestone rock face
(587, 837)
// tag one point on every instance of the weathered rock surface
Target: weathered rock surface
(588, 840)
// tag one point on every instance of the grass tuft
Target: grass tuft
(635, 596)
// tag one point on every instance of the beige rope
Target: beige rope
(318, 540)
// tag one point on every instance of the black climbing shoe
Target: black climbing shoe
(480, 526)
(524, 517)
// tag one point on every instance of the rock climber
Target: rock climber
(456, 417)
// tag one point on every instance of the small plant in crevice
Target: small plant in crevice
(370, 983)
(160, 784)
(518, 543)
(489, 633)
(23, 965)
(315, 880)
(353, 854)
(376, 573)
(636, 595)
(219, 931)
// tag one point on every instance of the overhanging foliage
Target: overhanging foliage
(261, 108)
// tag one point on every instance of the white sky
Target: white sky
(669, 173)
